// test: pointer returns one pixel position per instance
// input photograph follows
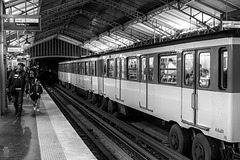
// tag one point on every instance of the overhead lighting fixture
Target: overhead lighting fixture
(26, 41)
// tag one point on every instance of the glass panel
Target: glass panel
(123, 68)
(188, 69)
(132, 68)
(118, 68)
(144, 69)
(86, 68)
(104, 68)
(83, 67)
(93, 68)
(204, 68)
(151, 67)
(168, 69)
(224, 68)
(111, 68)
(79, 68)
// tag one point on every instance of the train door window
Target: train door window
(123, 65)
(188, 69)
(151, 69)
(104, 68)
(72, 67)
(93, 68)
(143, 68)
(118, 68)
(168, 69)
(76, 68)
(79, 68)
(67, 67)
(223, 68)
(86, 68)
(204, 69)
(132, 68)
(110, 68)
(83, 68)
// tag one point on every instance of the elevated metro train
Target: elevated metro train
(193, 83)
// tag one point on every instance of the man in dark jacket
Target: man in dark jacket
(16, 84)
(9, 70)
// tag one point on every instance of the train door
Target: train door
(92, 74)
(102, 71)
(147, 65)
(196, 96)
(118, 80)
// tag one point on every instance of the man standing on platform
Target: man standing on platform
(16, 84)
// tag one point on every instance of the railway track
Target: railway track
(122, 141)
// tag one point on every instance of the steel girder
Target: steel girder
(137, 34)
(74, 13)
(79, 29)
(108, 43)
(137, 17)
(73, 34)
(64, 7)
(191, 16)
(49, 33)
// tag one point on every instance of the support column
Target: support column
(3, 98)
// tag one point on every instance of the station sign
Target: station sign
(14, 49)
(21, 22)
(231, 24)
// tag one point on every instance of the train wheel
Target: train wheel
(204, 148)
(179, 139)
(112, 107)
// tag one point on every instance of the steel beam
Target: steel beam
(63, 7)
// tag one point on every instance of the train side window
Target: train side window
(168, 69)
(86, 68)
(223, 68)
(76, 68)
(79, 68)
(73, 67)
(110, 68)
(143, 68)
(93, 68)
(118, 68)
(204, 70)
(123, 65)
(83, 68)
(132, 68)
(104, 68)
(188, 69)
(151, 69)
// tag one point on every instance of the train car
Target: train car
(64, 72)
(192, 83)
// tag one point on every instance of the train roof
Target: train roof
(215, 35)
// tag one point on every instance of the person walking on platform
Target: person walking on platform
(17, 83)
(32, 76)
(9, 70)
(35, 94)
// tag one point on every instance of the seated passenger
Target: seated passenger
(204, 78)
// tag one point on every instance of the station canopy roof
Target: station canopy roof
(107, 25)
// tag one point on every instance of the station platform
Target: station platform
(44, 135)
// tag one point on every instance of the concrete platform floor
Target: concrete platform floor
(18, 136)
